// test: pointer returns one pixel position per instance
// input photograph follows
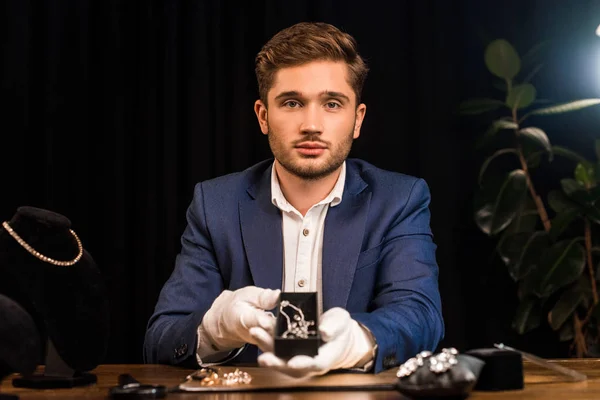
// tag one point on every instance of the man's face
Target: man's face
(312, 118)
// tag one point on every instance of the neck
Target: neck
(303, 193)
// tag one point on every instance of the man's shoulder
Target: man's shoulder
(236, 181)
(379, 178)
(389, 189)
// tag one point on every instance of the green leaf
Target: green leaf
(534, 159)
(585, 176)
(502, 59)
(564, 108)
(522, 252)
(531, 150)
(565, 307)
(487, 162)
(592, 213)
(560, 265)
(504, 124)
(571, 186)
(571, 155)
(562, 221)
(585, 288)
(577, 192)
(528, 315)
(521, 96)
(479, 106)
(559, 202)
(526, 220)
(594, 194)
(566, 332)
(566, 211)
(492, 215)
(538, 136)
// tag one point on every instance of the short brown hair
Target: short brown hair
(306, 42)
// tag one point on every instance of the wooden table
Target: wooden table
(539, 384)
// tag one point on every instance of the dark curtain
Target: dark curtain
(112, 110)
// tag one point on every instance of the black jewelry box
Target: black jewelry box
(503, 369)
(296, 329)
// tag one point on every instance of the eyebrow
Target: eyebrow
(326, 93)
(338, 95)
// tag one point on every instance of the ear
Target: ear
(361, 110)
(260, 109)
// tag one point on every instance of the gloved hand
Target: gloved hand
(347, 344)
(228, 321)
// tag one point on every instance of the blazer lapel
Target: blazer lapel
(342, 240)
(262, 234)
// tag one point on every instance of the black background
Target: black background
(111, 111)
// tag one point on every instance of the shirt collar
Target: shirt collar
(334, 197)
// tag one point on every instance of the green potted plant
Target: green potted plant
(548, 243)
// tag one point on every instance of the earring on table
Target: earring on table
(211, 377)
(438, 363)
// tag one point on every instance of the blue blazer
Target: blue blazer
(378, 261)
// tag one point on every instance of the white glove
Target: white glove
(228, 321)
(347, 345)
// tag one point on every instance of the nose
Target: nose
(312, 120)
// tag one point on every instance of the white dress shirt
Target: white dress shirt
(303, 238)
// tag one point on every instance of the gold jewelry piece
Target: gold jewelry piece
(210, 377)
(39, 255)
(235, 377)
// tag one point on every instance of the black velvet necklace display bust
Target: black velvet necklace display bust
(20, 346)
(68, 303)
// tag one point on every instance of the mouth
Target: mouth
(311, 145)
(311, 148)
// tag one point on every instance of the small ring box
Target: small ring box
(296, 329)
(503, 369)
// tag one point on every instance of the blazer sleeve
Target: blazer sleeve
(171, 335)
(406, 315)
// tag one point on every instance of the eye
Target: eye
(332, 105)
(291, 104)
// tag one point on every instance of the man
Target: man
(307, 221)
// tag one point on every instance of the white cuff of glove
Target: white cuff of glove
(205, 348)
(368, 341)
(206, 354)
(361, 348)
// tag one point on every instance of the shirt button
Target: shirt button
(301, 283)
(305, 232)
